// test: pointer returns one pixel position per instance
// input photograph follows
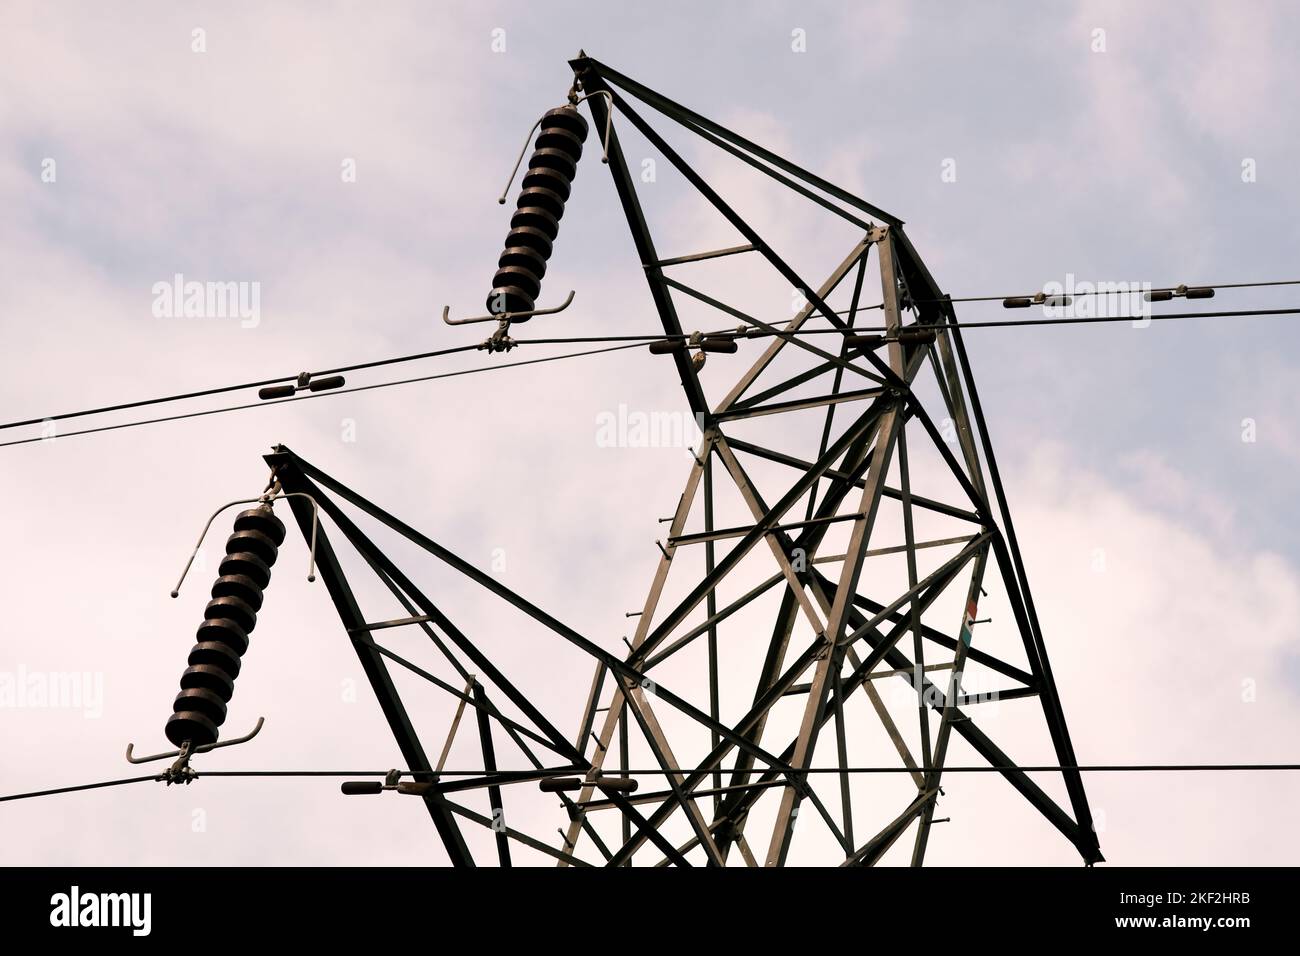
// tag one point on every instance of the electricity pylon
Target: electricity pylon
(856, 638)
(827, 447)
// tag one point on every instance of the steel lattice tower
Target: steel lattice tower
(838, 630)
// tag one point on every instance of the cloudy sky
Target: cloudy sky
(1150, 470)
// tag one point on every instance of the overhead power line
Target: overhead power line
(630, 341)
(279, 380)
(311, 395)
(758, 333)
(235, 388)
(659, 771)
(1085, 320)
(1168, 288)
(84, 786)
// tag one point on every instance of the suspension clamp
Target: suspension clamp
(180, 771)
(500, 340)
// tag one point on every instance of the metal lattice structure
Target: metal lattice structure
(740, 779)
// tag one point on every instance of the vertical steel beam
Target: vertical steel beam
(935, 773)
(495, 804)
(372, 664)
(712, 610)
(839, 373)
(645, 246)
(918, 641)
(854, 557)
(1018, 588)
(615, 715)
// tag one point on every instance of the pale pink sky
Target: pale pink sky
(1122, 164)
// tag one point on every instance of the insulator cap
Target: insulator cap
(523, 258)
(529, 238)
(231, 609)
(238, 586)
(864, 341)
(561, 139)
(543, 177)
(199, 701)
(534, 218)
(915, 336)
(555, 161)
(224, 631)
(503, 299)
(191, 726)
(322, 384)
(566, 117)
(416, 788)
(215, 654)
(247, 564)
(253, 542)
(517, 277)
(205, 677)
(719, 344)
(537, 197)
(261, 519)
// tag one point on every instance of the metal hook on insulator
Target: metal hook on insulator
(514, 170)
(201, 749)
(506, 317)
(315, 520)
(609, 116)
(604, 158)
